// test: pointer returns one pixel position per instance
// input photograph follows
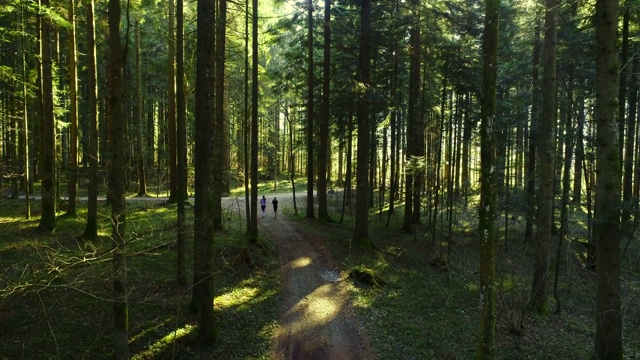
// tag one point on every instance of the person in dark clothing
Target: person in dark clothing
(275, 206)
(263, 204)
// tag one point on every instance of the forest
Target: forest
(464, 175)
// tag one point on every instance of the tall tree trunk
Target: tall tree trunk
(629, 145)
(413, 121)
(202, 299)
(253, 234)
(310, 119)
(323, 151)
(142, 178)
(247, 173)
(579, 149)
(546, 156)
(73, 113)
(219, 171)
(171, 109)
(25, 118)
(533, 137)
(606, 227)
(48, 129)
(466, 145)
(181, 133)
(361, 231)
(91, 230)
(488, 184)
(117, 173)
(622, 84)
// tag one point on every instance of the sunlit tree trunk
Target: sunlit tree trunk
(606, 226)
(488, 184)
(73, 113)
(310, 119)
(546, 159)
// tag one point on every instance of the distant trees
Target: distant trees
(396, 112)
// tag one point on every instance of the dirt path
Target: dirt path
(317, 321)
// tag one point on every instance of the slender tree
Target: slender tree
(533, 136)
(91, 230)
(323, 150)
(73, 112)
(253, 233)
(219, 171)
(413, 120)
(142, 179)
(117, 173)
(546, 156)
(310, 119)
(606, 227)
(488, 183)
(181, 132)
(47, 127)
(171, 109)
(361, 232)
(202, 299)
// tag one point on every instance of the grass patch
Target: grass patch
(56, 290)
(423, 312)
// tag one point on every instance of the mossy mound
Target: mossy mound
(365, 276)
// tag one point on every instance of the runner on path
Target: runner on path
(275, 206)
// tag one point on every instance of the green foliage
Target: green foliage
(55, 289)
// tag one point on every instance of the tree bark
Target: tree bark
(310, 119)
(323, 151)
(91, 230)
(606, 227)
(181, 133)
(142, 178)
(202, 299)
(171, 108)
(73, 113)
(488, 184)
(361, 232)
(546, 159)
(48, 129)
(219, 169)
(117, 176)
(253, 233)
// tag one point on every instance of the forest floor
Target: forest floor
(317, 319)
(292, 298)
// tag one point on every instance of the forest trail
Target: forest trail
(317, 321)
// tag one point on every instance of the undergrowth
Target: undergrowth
(56, 289)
